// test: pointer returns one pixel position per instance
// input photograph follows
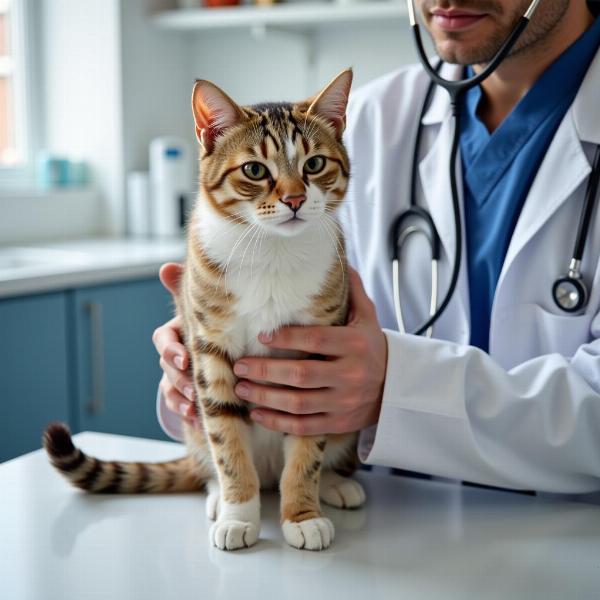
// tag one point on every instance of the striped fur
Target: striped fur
(112, 477)
(252, 267)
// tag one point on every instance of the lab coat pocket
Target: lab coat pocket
(550, 333)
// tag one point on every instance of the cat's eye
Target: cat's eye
(255, 170)
(314, 165)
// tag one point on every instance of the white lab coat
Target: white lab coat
(526, 416)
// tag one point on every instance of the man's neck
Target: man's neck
(503, 89)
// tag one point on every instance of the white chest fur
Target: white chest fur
(272, 279)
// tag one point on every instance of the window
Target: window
(9, 155)
(15, 107)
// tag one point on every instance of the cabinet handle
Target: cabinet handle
(96, 404)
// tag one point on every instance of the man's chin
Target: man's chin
(462, 53)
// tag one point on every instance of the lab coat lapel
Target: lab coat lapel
(555, 184)
(435, 182)
(433, 169)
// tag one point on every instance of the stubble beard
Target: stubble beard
(547, 17)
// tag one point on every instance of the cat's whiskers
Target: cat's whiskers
(208, 237)
(336, 238)
(258, 244)
(230, 257)
(256, 230)
(336, 242)
(337, 228)
(310, 129)
(223, 274)
(333, 222)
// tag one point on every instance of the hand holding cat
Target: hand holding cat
(337, 395)
(176, 384)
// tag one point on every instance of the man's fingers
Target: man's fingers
(327, 340)
(296, 373)
(176, 355)
(175, 401)
(299, 402)
(166, 334)
(180, 380)
(306, 425)
(170, 275)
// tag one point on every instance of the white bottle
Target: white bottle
(170, 183)
(138, 204)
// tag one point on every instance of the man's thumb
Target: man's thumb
(170, 275)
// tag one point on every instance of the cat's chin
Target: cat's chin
(291, 227)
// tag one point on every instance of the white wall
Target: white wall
(156, 83)
(29, 217)
(113, 80)
(372, 50)
(82, 92)
(278, 66)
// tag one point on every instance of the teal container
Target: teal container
(52, 171)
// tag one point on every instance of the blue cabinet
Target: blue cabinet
(118, 370)
(82, 356)
(34, 370)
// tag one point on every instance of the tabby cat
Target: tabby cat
(264, 250)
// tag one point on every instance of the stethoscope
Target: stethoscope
(569, 291)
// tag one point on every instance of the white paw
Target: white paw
(212, 505)
(232, 535)
(312, 534)
(342, 492)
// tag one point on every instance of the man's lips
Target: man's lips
(455, 20)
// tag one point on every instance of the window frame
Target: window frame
(25, 26)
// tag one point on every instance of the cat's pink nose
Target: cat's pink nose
(294, 201)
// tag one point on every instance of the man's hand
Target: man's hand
(176, 384)
(337, 395)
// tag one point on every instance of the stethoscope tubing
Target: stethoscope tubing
(456, 89)
(569, 291)
(588, 209)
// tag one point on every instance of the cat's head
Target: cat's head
(281, 166)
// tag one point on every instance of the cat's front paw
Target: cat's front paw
(341, 492)
(233, 535)
(312, 534)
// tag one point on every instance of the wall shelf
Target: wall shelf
(288, 16)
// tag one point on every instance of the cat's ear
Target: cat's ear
(331, 102)
(214, 111)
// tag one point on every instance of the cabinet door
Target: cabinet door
(34, 383)
(118, 365)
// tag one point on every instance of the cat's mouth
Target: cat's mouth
(294, 219)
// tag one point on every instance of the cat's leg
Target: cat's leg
(227, 424)
(213, 498)
(340, 462)
(303, 524)
(341, 492)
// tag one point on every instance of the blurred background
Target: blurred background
(98, 169)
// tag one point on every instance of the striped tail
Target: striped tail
(117, 477)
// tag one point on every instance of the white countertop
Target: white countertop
(415, 539)
(32, 268)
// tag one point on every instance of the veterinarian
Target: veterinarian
(506, 392)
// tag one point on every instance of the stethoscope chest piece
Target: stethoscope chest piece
(570, 292)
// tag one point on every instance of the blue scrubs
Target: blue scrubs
(498, 169)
